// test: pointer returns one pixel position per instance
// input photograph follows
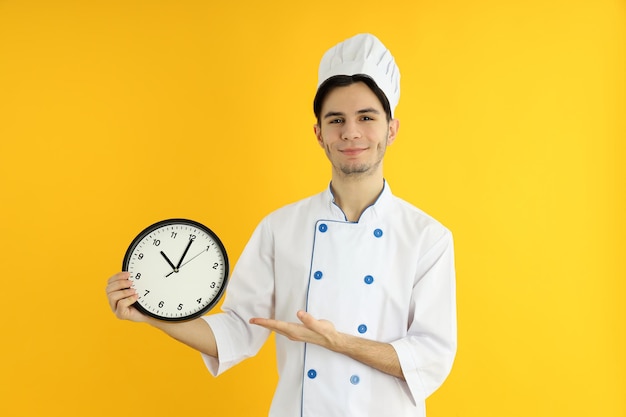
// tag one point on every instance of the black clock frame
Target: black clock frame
(158, 225)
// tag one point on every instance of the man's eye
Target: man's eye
(336, 121)
(366, 118)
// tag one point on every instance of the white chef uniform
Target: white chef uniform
(388, 277)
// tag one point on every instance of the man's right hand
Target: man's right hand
(121, 298)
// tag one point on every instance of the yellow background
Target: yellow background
(117, 114)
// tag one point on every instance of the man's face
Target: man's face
(354, 131)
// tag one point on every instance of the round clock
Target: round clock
(179, 269)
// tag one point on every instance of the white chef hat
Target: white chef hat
(363, 54)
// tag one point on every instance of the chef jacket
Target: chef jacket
(388, 277)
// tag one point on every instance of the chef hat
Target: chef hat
(363, 54)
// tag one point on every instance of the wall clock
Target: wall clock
(179, 269)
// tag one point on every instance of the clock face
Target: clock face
(179, 269)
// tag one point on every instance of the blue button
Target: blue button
(323, 228)
(354, 379)
(378, 233)
(318, 275)
(312, 373)
(362, 328)
(368, 279)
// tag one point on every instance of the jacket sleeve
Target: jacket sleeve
(427, 352)
(250, 294)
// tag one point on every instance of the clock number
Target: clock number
(140, 256)
(199, 300)
(147, 292)
(180, 307)
(212, 285)
(174, 235)
(138, 275)
(161, 304)
(192, 237)
(215, 265)
(156, 242)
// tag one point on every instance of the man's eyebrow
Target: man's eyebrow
(333, 114)
(368, 110)
(362, 111)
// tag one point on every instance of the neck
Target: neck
(353, 196)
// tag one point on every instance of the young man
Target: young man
(359, 284)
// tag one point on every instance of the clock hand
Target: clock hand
(188, 260)
(184, 253)
(168, 260)
(191, 259)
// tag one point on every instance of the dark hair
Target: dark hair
(343, 81)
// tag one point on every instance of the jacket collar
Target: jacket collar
(376, 210)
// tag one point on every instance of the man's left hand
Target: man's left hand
(309, 330)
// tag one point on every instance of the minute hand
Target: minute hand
(195, 256)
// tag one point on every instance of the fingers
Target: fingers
(310, 322)
(310, 330)
(268, 323)
(290, 330)
(304, 317)
(300, 332)
(120, 294)
(118, 282)
(123, 305)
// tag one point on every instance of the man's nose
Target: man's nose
(350, 131)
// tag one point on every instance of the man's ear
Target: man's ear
(318, 134)
(394, 126)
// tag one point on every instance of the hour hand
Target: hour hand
(168, 260)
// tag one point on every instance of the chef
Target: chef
(358, 284)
